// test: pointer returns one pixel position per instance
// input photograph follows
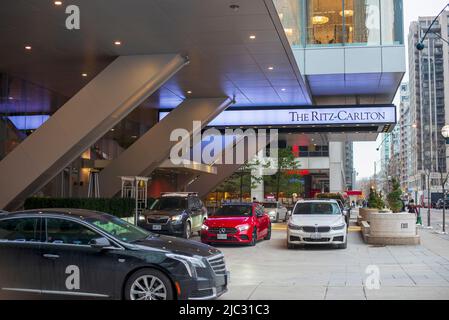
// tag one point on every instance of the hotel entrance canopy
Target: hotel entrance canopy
(357, 118)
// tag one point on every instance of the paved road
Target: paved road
(271, 271)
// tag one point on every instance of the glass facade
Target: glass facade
(289, 13)
(314, 23)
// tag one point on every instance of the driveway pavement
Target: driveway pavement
(271, 271)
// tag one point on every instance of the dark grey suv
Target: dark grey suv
(175, 213)
(73, 253)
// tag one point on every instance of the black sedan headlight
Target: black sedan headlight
(191, 263)
(176, 219)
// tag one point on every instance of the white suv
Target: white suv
(317, 222)
(275, 210)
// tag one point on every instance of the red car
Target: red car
(244, 223)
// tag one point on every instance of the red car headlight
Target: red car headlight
(243, 227)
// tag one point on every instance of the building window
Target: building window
(362, 22)
(348, 22)
(324, 22)
(392, 29)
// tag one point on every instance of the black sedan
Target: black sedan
(73, 253)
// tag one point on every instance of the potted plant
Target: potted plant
(394, 197)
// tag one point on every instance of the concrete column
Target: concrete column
(86, 117)
(147, 153)
(336, 167)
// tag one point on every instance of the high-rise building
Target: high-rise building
(349, 166)
(394, 165)
(429, 94)
(406, 129)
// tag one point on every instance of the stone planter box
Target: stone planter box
(364, 214)
(392, 228)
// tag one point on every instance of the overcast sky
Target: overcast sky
(365, 154)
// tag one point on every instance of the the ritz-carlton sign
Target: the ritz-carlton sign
(281, 116)
(337, 116)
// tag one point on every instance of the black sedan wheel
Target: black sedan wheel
(187, 230)
(148, 284)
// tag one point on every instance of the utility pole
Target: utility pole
(444, 202)
(428, 197)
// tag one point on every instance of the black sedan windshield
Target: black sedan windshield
(234, 211)
(169, 203)
(118, 228)
(317, 208)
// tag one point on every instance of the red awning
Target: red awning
(354, 193)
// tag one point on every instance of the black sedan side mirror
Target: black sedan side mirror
(100, 243)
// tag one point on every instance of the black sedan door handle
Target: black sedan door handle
(51, 256)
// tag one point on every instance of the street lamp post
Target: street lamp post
(420, 45)
(428, 198)
(445, 134)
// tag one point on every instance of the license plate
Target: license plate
(316, 236)
(157, 227)
(222, 236)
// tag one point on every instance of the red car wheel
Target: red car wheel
(253, 238)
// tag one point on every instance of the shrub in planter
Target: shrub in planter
(375, 200)
(394, 197)
(119, 207)
(336, 196)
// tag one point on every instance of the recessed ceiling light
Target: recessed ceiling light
(28, 47)
(283, 89)
(134, 137)
(112, 129)
(252, 37)
(11, 98)
(118, 43)
(189, 92)
(270, 68)
(84, 74)
(58, 3)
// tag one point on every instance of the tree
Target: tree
(394, 197)
(243, 179)
(286, 161)
(375, 200)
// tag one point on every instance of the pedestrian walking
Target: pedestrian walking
(412, 208)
